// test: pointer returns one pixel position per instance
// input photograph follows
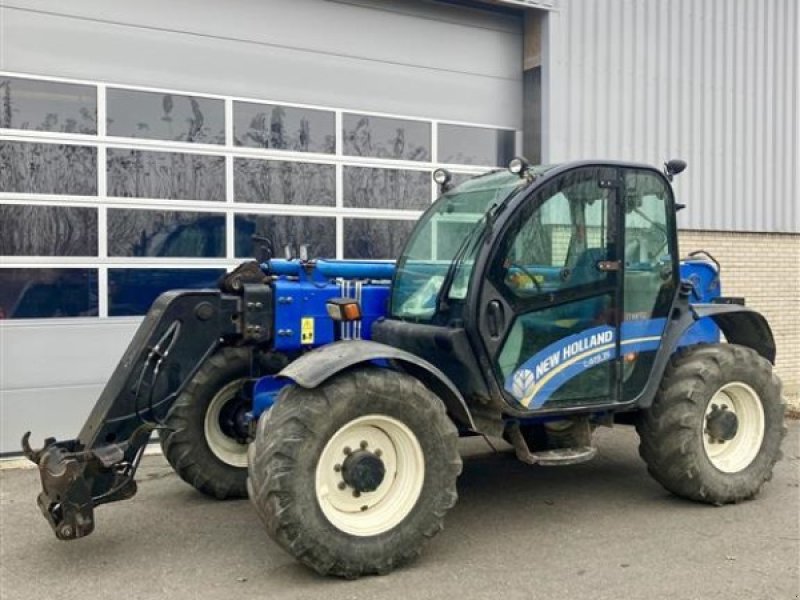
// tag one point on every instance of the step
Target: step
(564, 456)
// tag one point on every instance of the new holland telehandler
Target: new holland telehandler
(531, 304)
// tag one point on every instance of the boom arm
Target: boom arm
(181, 329)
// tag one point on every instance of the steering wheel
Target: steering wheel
(529, 275)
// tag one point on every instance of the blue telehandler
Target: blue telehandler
(532, 304)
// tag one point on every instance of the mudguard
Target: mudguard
(741, 325)
(315, 367)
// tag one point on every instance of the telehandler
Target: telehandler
(531, 304)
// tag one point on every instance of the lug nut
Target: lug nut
(342, 485)
(337, 468)
(356, 494)
(364, 444)
(347, 451)
(378, 452)
(363, 508)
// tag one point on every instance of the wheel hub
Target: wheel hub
(722, 424)
(363, 471)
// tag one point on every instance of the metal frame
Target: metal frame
(102, 141)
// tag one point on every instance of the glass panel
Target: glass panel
(47, 106)
(446, 237)
(280, 182)
(165, 233)
(167, 175)
(382, 137)
(461, 144)
(283, 127)
(40, 293)
(27, 168)
(372, 238)
(366, 187)
(47, 231)
(559, 241)
(318, 233)
(649, 278)
(132, 291)
(159, 116)
(561, 355)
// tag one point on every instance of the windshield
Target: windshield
(449, 231)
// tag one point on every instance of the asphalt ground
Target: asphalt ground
(599, 530)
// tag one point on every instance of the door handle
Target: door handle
(495, 318)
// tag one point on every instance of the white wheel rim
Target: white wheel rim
(737, 453)
(227, 449)
(371, 513)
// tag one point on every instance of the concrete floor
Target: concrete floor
(599, 530)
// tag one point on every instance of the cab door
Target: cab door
(548, 313)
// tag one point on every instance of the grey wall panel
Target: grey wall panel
(351, 56)
(712, 81)
(48, 354)
(52, 373)
(57, 412)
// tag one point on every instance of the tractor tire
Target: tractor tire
(194, 443)
(692, 447)
(313, 439)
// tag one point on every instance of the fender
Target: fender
(317, 366)
(740, 324)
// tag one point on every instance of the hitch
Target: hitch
(68, 474)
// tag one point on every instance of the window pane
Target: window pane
(382, 137)
(280, 182)
(47, 106)
(167, 175)
(459, 144)
(39, 293)
(157, 116)
(132, 291)
(27, 168)
(318, 233)
(165, 233)
(366, 187)
(283, 127)
(47, 231)
(372, 238)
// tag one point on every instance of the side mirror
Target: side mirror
(674, 167)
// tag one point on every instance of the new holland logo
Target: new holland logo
(523, 383)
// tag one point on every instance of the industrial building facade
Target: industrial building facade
(142, 146)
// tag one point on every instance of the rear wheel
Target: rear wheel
(354, 476)
(714, 431)
(206, 443)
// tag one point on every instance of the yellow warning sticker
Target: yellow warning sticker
(307, 330)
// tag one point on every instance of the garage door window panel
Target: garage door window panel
(384, 137)
(34, 168)
(163, 116)
(278, 127)
(283, 182)
(318, 233)
(165, 175)
(161, 233)
(34, 293)
(47, 230)
(47, 106)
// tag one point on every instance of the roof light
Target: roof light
(442, 177)
(518, 165)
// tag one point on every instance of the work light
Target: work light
(518, 165)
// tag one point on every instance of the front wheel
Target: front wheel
(207, 435)
(354, 476)
(715, 428)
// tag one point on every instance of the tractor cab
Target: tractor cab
(541, 290)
